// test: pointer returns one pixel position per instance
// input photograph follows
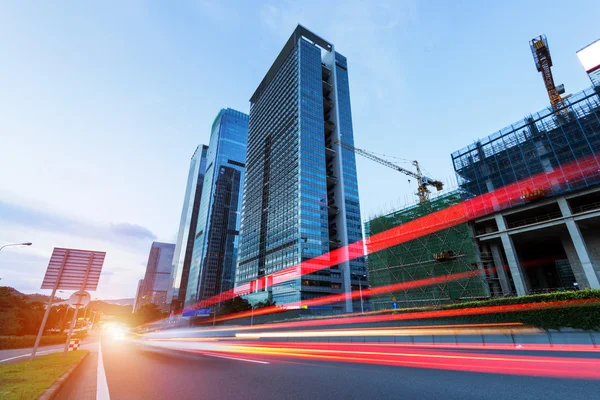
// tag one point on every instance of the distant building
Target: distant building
(300, 193)
(155, 284)
(445, 252)
(137, 295)
(187, 230)
(217, 232)
(549, 238)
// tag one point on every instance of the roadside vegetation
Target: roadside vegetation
(29, 379)
(582, 316)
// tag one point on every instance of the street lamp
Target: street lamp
(252, 315)
(16, 244)
(362, 309)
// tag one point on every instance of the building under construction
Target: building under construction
(550, 237)
(445, 252)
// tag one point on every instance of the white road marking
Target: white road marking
(26, 355)
(238, 359)
(102, 384)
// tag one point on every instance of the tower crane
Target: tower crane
(423, 181)
(543, 63)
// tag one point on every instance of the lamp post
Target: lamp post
(252, 315)
(362, 309)
(215, 314)
(16, 244)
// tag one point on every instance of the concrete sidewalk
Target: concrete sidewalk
(82, 385)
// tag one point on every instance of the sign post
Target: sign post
(70, 269)
(77, 300)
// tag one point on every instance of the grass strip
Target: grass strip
(29, 379)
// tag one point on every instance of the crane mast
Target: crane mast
(422, 180)
(543, 63)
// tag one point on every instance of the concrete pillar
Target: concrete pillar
(579, 244)
(499, 264)
(519, 278)
(574, 261)
(593, 245)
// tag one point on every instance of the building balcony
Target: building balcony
(326, 88)
(329, 127)
(325, 72)
(332, 211)
(327, 105)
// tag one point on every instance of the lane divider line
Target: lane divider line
(238, 359)
(102, 385)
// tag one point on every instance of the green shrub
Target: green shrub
(23, 342)
(585, 316)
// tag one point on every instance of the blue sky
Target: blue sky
(103, 103)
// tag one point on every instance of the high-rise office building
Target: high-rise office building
(156, 281)
(137, 295)
(217, 233)
(187, 230)
(300, 191)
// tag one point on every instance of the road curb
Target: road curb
(55, 388)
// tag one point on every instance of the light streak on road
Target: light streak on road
(400, 355)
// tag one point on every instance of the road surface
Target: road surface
(132, 372)
(16, 355)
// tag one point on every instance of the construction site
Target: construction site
(547, 240)
(445, 252)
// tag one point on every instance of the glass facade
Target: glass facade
(294, 175)
(156, 281)
(187, 229)
(539, 143)
(217, 233)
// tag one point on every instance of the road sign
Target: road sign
(72, 269)
(79, 299)
(203, 312)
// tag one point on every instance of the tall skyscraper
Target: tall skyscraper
(187, 230)
(158, 272)
(137, 298)
(300, 192)
(216, 241)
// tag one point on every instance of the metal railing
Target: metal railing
(484, 231)
(585, 207)
(534, 220)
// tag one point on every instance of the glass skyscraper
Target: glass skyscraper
(300, 192)
(217, 233)
(187, 230)
(155, 285)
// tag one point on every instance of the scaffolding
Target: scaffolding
(445, 252)
(539, 143)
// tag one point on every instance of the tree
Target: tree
(148, 313)
(263, 304)
(17, 315)
(237, 304)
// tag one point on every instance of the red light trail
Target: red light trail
(476, 207)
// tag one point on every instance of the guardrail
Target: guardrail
(585, 207)
(534, 220)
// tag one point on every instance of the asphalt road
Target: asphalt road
(16, 355)
(135, 373)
